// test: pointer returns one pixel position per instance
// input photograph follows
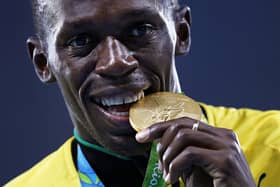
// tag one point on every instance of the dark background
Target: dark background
(234, 61)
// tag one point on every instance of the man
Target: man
(104, 55)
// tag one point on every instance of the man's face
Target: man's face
(106, 55)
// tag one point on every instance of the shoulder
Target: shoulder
(54, 170)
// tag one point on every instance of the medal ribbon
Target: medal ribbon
(88, 177)
(153, 177)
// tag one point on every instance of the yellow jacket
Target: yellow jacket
(258, 132)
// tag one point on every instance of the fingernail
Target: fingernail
(167, 179)
(164, 174)
(142, 135)
(158, 147)
(160, 166)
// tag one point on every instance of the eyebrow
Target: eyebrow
(144, 12)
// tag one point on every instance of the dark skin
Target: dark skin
(102, 51)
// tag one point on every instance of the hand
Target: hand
(213, 154)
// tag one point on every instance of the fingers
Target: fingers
(182, 138)
(218, 158)
(165, 141)
(151, 133)
(215, 150)
(187, 160)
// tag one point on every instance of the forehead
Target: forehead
(107, 9)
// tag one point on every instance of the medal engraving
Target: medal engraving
(161, 107)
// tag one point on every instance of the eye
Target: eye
(141, 30)
(80, 41)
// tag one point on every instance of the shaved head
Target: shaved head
(43, 16)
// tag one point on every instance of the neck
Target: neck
(97, 147)
(97, 154)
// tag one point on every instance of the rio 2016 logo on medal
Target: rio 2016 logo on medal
(160, 107)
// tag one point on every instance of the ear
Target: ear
(183, 23)
(39, 60)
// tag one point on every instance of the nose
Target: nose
(114, 59)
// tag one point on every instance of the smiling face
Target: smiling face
(106, 55)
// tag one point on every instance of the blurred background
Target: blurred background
(234, 61)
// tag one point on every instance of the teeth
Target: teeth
(120, 100)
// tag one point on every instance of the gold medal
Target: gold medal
(161, 107)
